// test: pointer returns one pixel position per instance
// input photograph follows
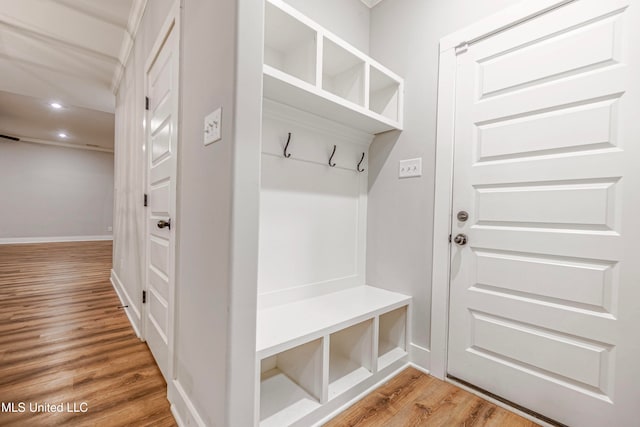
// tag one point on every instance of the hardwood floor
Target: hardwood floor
(63, 340)
(415, 399)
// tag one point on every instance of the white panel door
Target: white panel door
(545, 296)
(161, 147)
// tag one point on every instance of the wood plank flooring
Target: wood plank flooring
(415, 399)
(63, 340)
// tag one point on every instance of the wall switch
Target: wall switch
(410, 168)
(212, 125)
(109, 228)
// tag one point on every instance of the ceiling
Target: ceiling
(68, 51)
(34, 120)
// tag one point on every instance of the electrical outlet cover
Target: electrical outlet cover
(410, 168)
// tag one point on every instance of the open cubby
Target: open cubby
(289, 45)
(383, 94)
(309, 68)
(392, 331)
(342, 73)
(350, 357)
(291, 384)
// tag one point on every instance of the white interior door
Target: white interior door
(161, 147)
(545, 295)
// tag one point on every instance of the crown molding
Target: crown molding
(370, 3)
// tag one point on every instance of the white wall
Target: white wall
(404, 37)
(50, 191)
(204, 207)
(348, 19)
(215, 279)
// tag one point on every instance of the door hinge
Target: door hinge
(144, 297)
(449, 238)
(146, 200)
(146, 103)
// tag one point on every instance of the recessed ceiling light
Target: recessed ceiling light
(62, 135)
(55, 105)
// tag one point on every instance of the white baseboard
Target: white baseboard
(126, 300)
(17, 240)
(189, 416)
(420, 357)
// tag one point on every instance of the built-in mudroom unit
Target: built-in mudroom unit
(323, 335)
(384, 187)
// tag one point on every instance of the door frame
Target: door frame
(450, 47)
(171, 23)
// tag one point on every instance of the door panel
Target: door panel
(162, 140)
(545, 295)
(570, 281)
(564, 130)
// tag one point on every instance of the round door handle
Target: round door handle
(162, 224)
(460, 239)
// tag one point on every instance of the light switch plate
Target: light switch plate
(212, 125)
(410, 168)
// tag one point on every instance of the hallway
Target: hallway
(64, 341)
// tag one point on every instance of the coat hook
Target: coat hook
(331, 158)
(359, 163)
(287, 155)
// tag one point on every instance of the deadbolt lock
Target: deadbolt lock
(463, 216)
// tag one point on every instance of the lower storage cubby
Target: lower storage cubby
(291, 384)
(392, 336)
(350, 357)
(319, 353)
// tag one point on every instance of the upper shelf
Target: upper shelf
(309, 68)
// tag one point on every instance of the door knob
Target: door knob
(463, 216)
(460, 239)
(163, 224)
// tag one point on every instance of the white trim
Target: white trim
(499, 403)
(172, 20)
(125, 299)
(242, 382)
(420, 368)
(444, 162)
(420, 357)
(371, 3)
(178, 397)
(56, 239)
(135, 18)
(63, 144)
(442, 214)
